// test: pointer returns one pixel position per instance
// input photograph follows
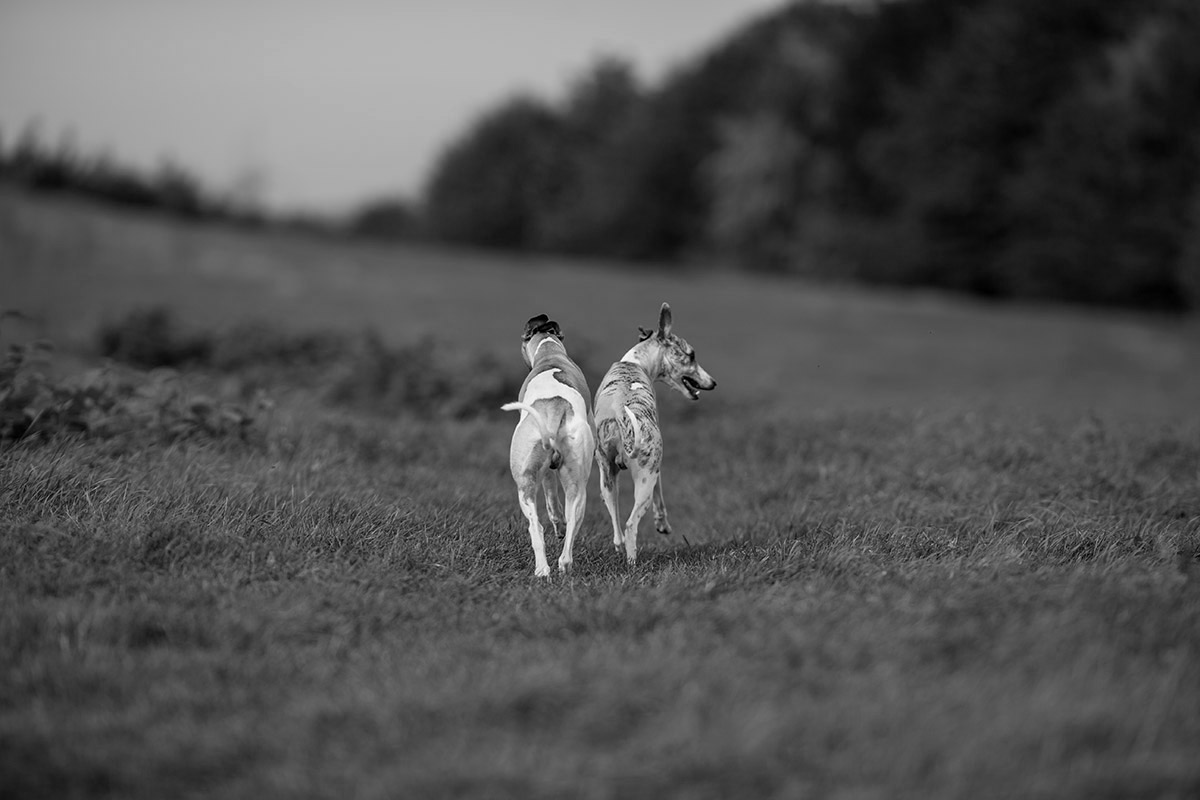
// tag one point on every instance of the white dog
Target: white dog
(627, 423)
(554, 434)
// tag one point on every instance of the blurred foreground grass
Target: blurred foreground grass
(940, 549)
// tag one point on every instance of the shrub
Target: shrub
(361, 372)
(423, 379)
(256, 345)
(152, 338)
(101, 404)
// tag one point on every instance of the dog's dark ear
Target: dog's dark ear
(664, 321)
(644, 333)
(551, 327)
(533, 325)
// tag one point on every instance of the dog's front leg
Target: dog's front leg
(660, 509)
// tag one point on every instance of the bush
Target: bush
(255, 345)
(360, 372)
(34, 406)
(386, 218)
(423, 379)
(152, 338)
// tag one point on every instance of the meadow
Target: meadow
(938, 548)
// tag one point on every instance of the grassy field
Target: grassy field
(939, 548)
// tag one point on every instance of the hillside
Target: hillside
(935, 548)
(71, 266)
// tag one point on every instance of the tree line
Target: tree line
(34, 163)
(1007, 148)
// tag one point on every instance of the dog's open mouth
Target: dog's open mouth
(691, 387)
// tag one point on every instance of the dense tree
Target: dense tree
(629, 164)
(753, 189)
(490, 187)
(1002, 147)
(1099, 208)
(597, 115)
(962, 129)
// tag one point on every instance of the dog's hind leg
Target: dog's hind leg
(527, 488)
(660, 509)
(610, 491)
(644, 480)
(554, 510)
(574, 480)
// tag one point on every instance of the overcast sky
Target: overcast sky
(332, 101)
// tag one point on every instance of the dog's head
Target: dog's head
(680, 370)
(536, 330)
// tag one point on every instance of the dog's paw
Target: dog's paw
(662, 526)
(542, 572)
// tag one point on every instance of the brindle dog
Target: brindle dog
(627, 431)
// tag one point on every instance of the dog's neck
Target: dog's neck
(550, 354)
(541, 351)
(648, 355)
(546, 340)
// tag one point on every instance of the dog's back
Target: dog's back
(626, 413)
(567, 372)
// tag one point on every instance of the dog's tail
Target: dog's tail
(635, 432)
(549, 438)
